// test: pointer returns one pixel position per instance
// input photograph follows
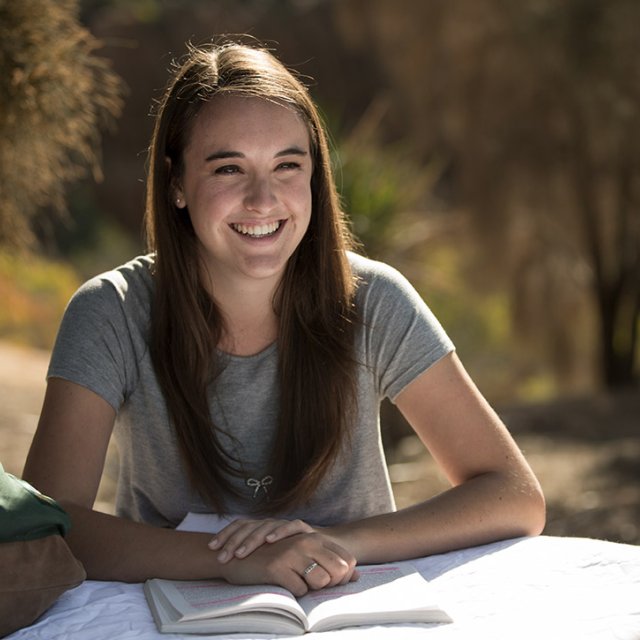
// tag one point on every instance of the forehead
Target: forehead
(236, 122)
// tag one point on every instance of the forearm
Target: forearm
(113, 548)
(481, 510)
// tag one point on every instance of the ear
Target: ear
(178, 198)
(177, 195)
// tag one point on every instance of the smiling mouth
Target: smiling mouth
(257, 230)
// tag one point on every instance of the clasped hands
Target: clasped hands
(289, 553)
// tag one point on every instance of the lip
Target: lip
(268, 236)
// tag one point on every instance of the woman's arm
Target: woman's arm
(494, 493)
(66, 460)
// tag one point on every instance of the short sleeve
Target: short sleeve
(102, 338)
(402, 337)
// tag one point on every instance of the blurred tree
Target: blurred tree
(535, 108)
(55, 94)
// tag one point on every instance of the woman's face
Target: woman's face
(247, 184)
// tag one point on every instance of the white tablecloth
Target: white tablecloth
(544, 588)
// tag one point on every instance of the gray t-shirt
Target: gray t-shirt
(103, 345)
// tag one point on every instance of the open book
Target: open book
(388, 593)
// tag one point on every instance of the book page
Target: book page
(197, 599)
(205, 522)
(167, 619)
(384, 593)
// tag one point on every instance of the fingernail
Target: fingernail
(223, 556)
(271, 536)
(214, 544)
(240, 551)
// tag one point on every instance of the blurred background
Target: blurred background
(489, 149)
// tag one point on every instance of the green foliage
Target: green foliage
(536, 107)
(34, 292)
(91, 242)
(384, 192)
(55, 95)
(477, 320)
(378, 183)
(143, 11)
(35, 289)
(111, 246)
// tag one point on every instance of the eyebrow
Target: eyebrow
(224, 154)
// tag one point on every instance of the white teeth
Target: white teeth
(257, 231)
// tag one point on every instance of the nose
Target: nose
(259, 196)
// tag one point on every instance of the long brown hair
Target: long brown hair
(314, 302)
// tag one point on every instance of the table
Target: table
(544, 588)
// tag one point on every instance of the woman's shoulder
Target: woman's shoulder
(104, 331)
(131, 280)
(123, 292)
(367, 270)
(375, 277)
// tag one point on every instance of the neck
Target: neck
(251, 324)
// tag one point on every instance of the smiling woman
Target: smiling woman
(241, 364)
(246, 184)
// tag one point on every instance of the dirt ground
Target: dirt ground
(585, 451)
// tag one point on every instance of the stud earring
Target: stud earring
(178, 202)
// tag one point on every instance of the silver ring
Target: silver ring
(310, 568)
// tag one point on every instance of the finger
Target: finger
(289, 528)
(288, 578)
(354, 577)
(247, 535)
(219, 539)
(335, 567)
(234, 539)
(338, 563)
(254, 537)
(296, 585)
(316, 576)
(266, 531)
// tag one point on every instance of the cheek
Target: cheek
(302, 196)
(211, 200)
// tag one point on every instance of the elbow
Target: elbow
(540, 514)
(523, 507)
(533, 511)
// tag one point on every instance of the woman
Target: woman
(243, 362)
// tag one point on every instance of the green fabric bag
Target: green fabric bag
(27, 514)
(36, 564)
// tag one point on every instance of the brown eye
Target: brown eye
(227, 169)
